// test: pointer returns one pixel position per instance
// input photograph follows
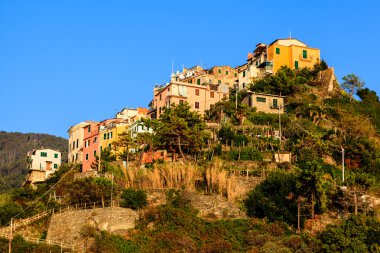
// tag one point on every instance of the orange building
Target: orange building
(91, 145)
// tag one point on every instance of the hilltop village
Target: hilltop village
(201, 88)
(274, 155)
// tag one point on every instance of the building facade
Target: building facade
(110, 131)
(292, 53)
(138, 127)
(265, 102)
(90, 146)
(200, 88)
(41, 164)
(75, 145)
(132, 114)
(268, 59)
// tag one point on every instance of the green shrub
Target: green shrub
(275, 198)
(8, 211)
(133, 199)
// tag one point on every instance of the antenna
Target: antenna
(290, 34)
(172, 66)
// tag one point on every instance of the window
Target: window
(86, 157)
(243, 85)
(77, 143)
(73, 144)
(55, 166)
(257, 63)
(219, 82)
(160, 97)
(105, 136)
(304, 54)
(219, 71)
(198, 81)
(196, 105)
(95, 139)
(244, 73)
(76, 157)
(261, 99)
(235, 74)
(197, 92)
(226, 72)
(211, 94)
(55, 155)
(85, 144)
(109, 145)
(191, 81)
(169, 89)
(94, 153)
(89, 129)
(277, 50)
(110, 135)
(43, 154)
(296, 64)
(275, 103)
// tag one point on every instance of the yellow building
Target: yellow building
(292, 53)
(110, 131)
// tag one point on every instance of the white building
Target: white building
(75, 145)
(138, 127)
(42, 163)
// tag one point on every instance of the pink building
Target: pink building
(91, 145)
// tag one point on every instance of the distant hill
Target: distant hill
(13, 150)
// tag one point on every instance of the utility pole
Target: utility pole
(112, 190)
(299, 215)
(342, 163)
(10, 237)
(100, 153)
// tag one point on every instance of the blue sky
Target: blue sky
(62, 62)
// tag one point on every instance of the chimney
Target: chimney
(250, 56)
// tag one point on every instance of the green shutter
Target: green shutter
(226, 72)
(55, 166)
(277, 50)
(296, 64)
(244, 73)
(55, 155)
(304, 54)
(261, 99)
(235, 75)
(219, 71)
(105, 136)
(43, 154)
(198, 81)
(275, 103)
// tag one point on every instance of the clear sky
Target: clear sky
(62, 62)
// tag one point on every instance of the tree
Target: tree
(134, 199)
(179, 127)
(125, 144)
(352, 84)
(275, 198)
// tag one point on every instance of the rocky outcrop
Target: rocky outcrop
(68, 227)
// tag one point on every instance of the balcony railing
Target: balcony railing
(308, 58)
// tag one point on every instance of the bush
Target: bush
(8, 211)
(356, 234)
(133, 199)
(275, 198)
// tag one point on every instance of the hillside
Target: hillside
(13, 150)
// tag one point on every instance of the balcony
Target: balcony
(308, 58)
